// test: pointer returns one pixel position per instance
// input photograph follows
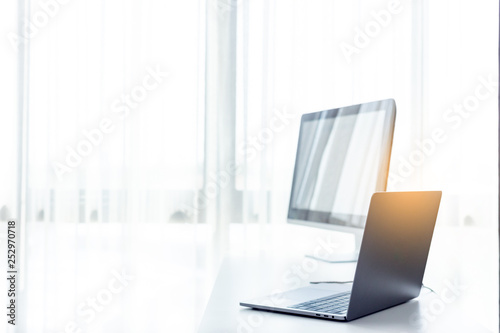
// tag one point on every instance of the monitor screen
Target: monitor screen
(342, 159)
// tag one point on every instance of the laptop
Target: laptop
(390, 268)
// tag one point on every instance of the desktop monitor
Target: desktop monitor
(342, 158)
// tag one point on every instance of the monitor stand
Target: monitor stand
(333, 256)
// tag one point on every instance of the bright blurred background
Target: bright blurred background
(136, 133)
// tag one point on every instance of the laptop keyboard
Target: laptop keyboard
(332, 304)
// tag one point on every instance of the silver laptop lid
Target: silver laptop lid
(394, 250)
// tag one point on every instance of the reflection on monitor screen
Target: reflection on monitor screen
(342, 158)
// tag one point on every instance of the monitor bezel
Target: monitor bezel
(320, 219)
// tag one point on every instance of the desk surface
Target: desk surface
(243, 277)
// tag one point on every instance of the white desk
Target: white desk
(178, 269)
(244, 277)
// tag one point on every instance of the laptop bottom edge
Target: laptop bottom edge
(336, 317)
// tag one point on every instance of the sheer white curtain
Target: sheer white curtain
(297, 57)
(10, 84)
(110, 133)
(115, 111)
(431, 57)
